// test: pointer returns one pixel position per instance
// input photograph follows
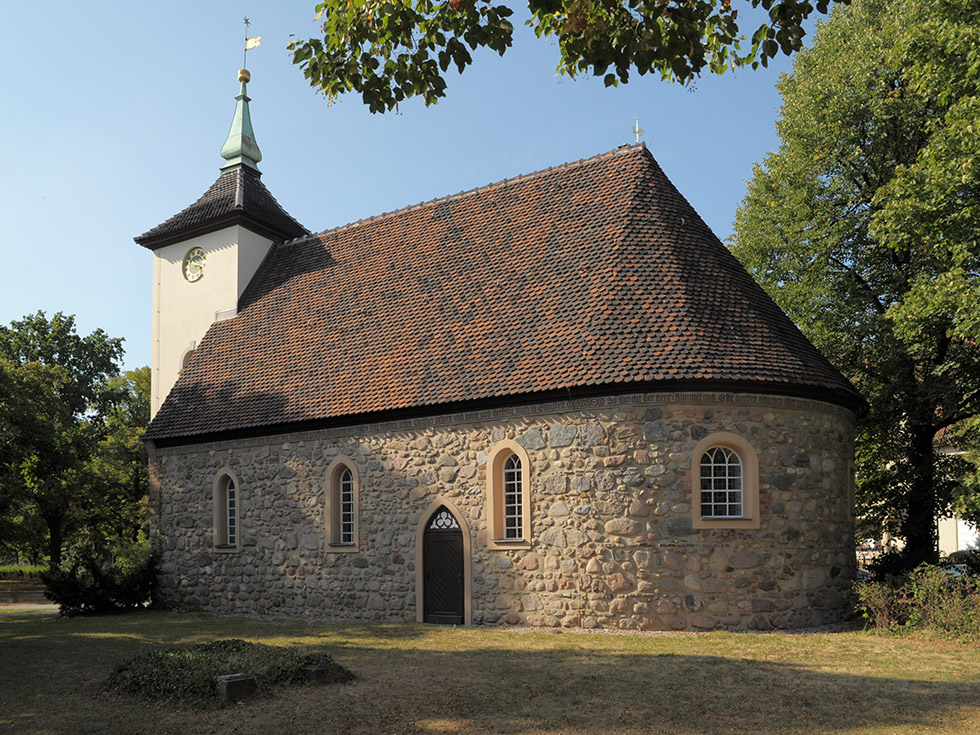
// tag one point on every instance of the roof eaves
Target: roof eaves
(824, 394)
(233, 217)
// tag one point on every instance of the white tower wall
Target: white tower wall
(183, 311)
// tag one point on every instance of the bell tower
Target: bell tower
(205, 255)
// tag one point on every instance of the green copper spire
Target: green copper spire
(241, 149)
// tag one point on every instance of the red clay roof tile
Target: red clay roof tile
(596, 276)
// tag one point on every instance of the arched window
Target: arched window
(721, 484)
(725, 483)
(508, 497)
(513, 499)
(227, 506)
(346, 507)
(341, 505)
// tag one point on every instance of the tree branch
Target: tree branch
(879, 307)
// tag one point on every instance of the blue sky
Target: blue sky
(114, 114)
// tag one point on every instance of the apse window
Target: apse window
(721, 484)
(725, 483)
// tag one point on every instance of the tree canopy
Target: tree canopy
(57, 392)
(391, 50)
(863, 227)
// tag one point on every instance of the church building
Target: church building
(556, 400)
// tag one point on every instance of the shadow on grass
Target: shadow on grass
(411, 681)
(586, 692)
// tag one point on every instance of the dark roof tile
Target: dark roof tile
(238, 196)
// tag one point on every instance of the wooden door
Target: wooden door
(442, 567)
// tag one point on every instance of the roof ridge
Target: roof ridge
(240, 188)
(614, 153)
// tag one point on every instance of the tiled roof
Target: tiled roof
(593, 277)
(237, 197)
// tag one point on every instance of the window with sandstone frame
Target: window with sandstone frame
(508, 497)
(724, 483)
(721, 484)
(341, 505)
(227, 510)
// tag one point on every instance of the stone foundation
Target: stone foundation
(612, 542)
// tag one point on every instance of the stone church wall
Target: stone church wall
(612, 542)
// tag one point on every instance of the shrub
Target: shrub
(89, 585)
(969, 557)
(892, 563)
(882, 603)
(187, 675)
(929, 598)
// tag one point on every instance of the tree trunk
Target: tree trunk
(920, 526)
(55, 539)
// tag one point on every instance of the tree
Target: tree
(119, 512)
(31, 414)
(863, 227)
(390, 50)
(57, 394)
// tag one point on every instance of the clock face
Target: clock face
(194, 264)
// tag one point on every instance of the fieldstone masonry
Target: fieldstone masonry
(612, 539)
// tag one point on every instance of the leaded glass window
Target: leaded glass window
(443, 521)
(347, 507)
(230, 514)
(721, 484)
(513, 499)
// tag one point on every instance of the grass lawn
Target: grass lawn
(430, 679)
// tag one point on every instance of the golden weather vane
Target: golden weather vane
(637, 130)
(250, 43)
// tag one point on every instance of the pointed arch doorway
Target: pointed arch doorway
(443, 578)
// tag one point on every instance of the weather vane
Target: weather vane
(250, 43)
(637, 130)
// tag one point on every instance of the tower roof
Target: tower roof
(240, 146)
(237, 197)
(596, 277)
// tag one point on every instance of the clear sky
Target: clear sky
(113, 115)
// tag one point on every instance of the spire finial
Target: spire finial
(250, 43)
(240, 149)
(637, 130)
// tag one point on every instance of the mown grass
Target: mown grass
(428, 679)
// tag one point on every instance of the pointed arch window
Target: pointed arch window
(227, 510)
(508, 497)
(346, 507)
(341, 502)
(513, 499)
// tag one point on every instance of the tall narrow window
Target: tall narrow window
(230, 510)
(513, 499)
(227, 506)
(347, 507)
(340, 511)
(721, 484)
(508, 497)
